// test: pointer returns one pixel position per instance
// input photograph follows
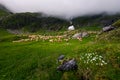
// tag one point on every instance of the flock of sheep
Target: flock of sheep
(66, 36)
(58, 38)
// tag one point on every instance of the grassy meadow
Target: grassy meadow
(37, 60)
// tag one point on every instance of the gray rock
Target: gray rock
(68, 65)
(108, 28)
(84, 34)
(80, 35)
(61, 57)
(77, 35)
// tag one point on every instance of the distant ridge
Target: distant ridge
(39, 21)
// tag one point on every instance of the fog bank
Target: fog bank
(64, 8)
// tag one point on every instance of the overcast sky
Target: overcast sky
(64, 8)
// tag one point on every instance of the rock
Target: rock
(70, 28)
(75, 36)
(68, 65)
(108, 28)
(80, 35)
(61, 57)
(84, 34)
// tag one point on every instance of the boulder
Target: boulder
(77, 35)
(68, 65)
(84, 34)
(61, 57)
(80, 35)
(107, 28)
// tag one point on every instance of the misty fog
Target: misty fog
(63, 8)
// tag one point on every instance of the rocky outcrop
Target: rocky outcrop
(68, 65)
(108, 28)
(80, 35)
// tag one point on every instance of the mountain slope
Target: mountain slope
(96, 20)
(111, 36)
(36, 21)
(3, 11)
(32, 22)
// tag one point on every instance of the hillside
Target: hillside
(32, 22)
(3, 11)
(111, 36)
(36, 21)
(96, 20)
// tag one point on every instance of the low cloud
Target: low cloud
(64, 8)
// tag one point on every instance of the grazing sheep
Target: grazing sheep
(15, 41)
(51, 40)
(59, 40)
(66, 40)
(79, 38)
(26, 39)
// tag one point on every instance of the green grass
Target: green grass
(90, 28)
(38, 60)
